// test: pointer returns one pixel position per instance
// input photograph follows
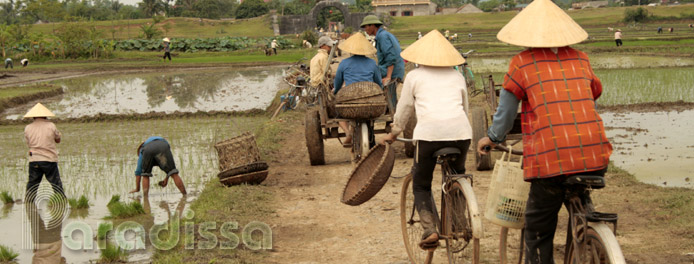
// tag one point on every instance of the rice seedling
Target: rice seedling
(7, 254)
(112, 254)
(103, 229)
(6, 197)
(120, 209)
(81, 203)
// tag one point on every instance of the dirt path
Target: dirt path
(313, 226)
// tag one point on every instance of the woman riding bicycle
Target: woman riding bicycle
(438, 95)
(562, 131)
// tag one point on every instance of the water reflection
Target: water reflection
(653, 146)
(208, 90)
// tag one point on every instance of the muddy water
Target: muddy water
(656, 147)
(191, 91)
(98, 160)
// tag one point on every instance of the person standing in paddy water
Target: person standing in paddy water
(563, 135)
(41, 137)
(155, 151)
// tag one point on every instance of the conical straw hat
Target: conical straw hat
(433, 50)
(542, 24)
(38, 111)
(357, 45)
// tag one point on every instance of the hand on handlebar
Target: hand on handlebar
(389, 138)
(485, 145)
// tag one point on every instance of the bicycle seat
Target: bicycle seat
(447, 153)
(592, 181)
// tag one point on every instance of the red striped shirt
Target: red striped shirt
(562, 131)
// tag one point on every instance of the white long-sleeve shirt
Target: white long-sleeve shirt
(439, 96)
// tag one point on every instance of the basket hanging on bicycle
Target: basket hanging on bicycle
(508, 194)
(360, 100)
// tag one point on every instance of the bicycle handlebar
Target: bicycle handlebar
(404, 139)
(502, 148)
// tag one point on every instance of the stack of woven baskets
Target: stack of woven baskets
(361, 100)
(239, 161)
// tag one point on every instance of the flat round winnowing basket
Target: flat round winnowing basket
(237, 151)
(361, 111)
(243, 169)
(369, 176)
(248, 178)
(360, 92)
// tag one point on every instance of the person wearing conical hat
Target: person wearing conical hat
(357, 68)
(167, 49)
(41, 137)
(388, 53)
(437, 93)
(562, 131)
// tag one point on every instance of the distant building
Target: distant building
(591, 4)
(404, 7)
(465, 9)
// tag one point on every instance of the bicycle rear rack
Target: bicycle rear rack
(603, 217)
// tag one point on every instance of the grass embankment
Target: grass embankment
(13, 96)
(241, 204)
(178, 27)
(665, 211)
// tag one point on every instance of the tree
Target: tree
(151, 7)
(8, 12)
(43, 10)
(488, 6)
(635, 15)
(251, 8)
(364, 6)
(5, 39)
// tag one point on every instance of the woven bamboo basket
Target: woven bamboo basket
(248, 178)
(237, 151)
(369, 176)
(243, 169)
(361, 111)
(360, 92)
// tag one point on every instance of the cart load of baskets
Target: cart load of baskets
(239, 161)
(360, 100)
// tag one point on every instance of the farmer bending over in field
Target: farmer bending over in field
(8, 63)
(437, 94)
(357, 68)
(155, 151)
(562, 131)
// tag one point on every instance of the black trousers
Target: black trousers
(275, 50)
(167, 55)
(37, 170)
(424, 165)
(618, 41)
(8, 64)
(544, 202)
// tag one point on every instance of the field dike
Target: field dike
(23, 99)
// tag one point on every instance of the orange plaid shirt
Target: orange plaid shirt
(562, 131)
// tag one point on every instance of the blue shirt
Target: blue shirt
(357, 68)
(504, 117)
(388, 48)
(138, 171)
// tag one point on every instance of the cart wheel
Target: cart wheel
(314, 138)
(479, 130)
(409, 130)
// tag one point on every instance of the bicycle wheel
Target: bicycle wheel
(409, 222)
(601, 247)
(462, 219)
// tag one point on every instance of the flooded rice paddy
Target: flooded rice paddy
(99, 159)
(187, 91)
(656, 147)
(497, 64)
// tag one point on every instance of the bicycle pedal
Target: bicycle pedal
(601, 217)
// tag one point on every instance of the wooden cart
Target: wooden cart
(480, 123)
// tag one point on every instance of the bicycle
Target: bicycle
(589, 239)
(460, 223)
